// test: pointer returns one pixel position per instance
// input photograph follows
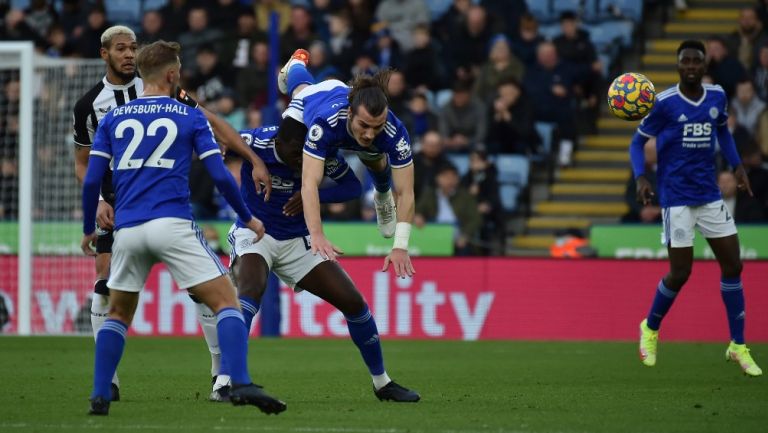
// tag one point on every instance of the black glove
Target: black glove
(183, 97)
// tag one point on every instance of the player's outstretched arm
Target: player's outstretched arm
(728, 148)
(312, 173)
(637, 157)
(402, 179)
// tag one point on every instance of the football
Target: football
(631, 96)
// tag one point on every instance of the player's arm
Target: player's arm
(728, 148)
(346, 187)
(98, 164)
(312, 172)
(231, 140)
(402, 180)
(82, 132)
(208, 151)
(649, 127)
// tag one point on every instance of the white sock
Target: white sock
(381, 380)
(382, 196)
(207, 320)
(99, 315)
(222, 380)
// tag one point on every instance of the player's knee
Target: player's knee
(353, 305)
(250, 289)
(121, 312)
(677, 278)
(732, 270)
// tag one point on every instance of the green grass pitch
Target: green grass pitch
(489, 386)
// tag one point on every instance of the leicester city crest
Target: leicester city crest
(713, 112)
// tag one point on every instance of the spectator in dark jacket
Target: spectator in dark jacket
(423, 64)
(526, 42)
(418, 117)
(482, 182)
(725, 69)
(511, 121)
(427, 161)
(463, 120)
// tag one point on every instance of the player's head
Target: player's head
(118, 49)
(691, 61)
(368, 106)
(289, 142)
(159, 65)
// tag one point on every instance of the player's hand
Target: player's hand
(88, 244)
(321, 245)
(644, 191)
(401, 261)
(261, 178)
(742, 180)
(294, 205)
(257, 227)
(183, 97)
(105, 215)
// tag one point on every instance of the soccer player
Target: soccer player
(151, 141)
(285, 249)
(120, 85)
(329, 116)
(687, 121)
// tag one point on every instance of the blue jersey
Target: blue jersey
(325, 108)
(285, 183)
(150, 141)
(686, 135)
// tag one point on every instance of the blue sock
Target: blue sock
(381, 178)
(298, 74)
(733, 298)
(250, 307)
(110, 342)
(362, 329)
(661, 303)
(233, 341)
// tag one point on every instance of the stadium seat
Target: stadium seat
(541, 10)
(560, 6)
(154, 4)
(631, 9)
(623, 30)
(127, 12)
(513, 169)
(460, 161)
(550, 31)
(546, 131)
(509, 194)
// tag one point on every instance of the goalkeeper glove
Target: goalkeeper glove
(183, 97)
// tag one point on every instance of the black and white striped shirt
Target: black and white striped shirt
(92, 107)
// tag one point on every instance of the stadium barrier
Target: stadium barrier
(643, 241)
(449, 298)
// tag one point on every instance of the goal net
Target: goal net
(61, 277)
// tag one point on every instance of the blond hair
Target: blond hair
(110, 33)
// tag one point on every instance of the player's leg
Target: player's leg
(328, 281)
(110, 343)
(207, 319)
(129, 270)
(717, 226)
(219, 295)
(195, 267)
(250, 272)
(381, 172)
(294, 76)
(678, 236)
(100, 299)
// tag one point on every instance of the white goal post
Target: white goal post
(45, 281)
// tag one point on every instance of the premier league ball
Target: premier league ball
(631, 96)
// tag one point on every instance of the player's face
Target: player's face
(364, 127)
(290, 153)
(691, 65)
(121, 56)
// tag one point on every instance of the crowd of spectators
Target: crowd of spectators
(474, 77)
